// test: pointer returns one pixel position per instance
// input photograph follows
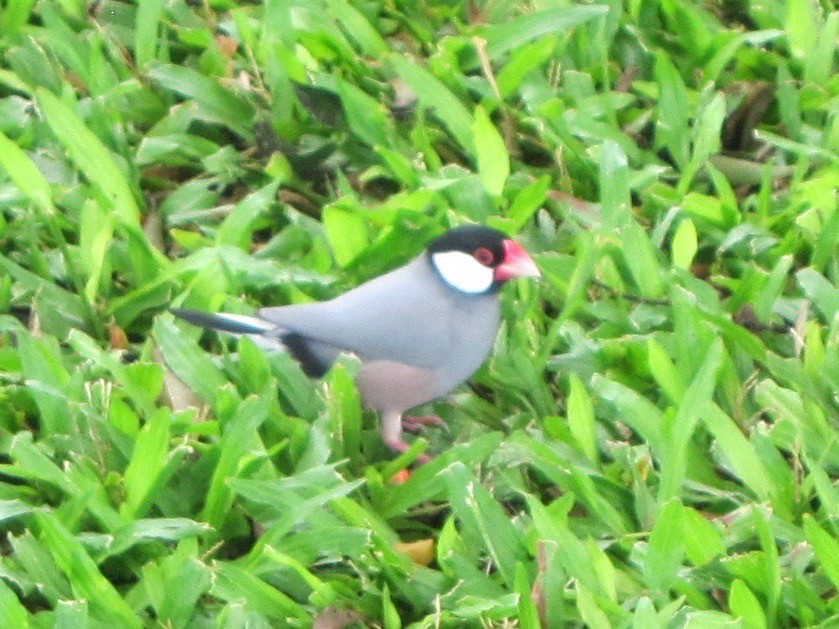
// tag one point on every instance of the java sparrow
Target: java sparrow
(418, 331)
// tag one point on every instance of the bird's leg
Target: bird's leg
(392, 435)
(415, 423)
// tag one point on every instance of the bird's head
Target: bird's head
(476, 260)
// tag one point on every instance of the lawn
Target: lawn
(655, 440)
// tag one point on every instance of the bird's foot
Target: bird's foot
(415, 423)
(399, 445)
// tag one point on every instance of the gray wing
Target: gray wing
(407, 316)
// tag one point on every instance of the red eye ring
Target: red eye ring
(484, 256)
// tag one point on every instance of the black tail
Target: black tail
(224, 322)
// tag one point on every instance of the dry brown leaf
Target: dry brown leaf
(401, 476)
(117, 337)
(421, 551)
(226, 45)
(334, 618)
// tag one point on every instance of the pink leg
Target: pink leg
(392, 434)
(415, 423)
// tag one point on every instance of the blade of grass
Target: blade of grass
(476, 509)
(493, 160)
(82, 571)
(692, 407)
(91, 156)
(214, 101)
(434, 95)
(239, 435)
(514, 33)
(146, 32)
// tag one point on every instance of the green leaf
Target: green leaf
(696, 400)
(72, 615)
(146, 32)
(818, 62)
(664, 371)
(825, 546)
(826, 242)
(189, 363)
(706, 139)
(234, 583)
(347, 233)
(801, 26)
(344, 406)
(238, 438)
(614, 187)
(176, 583)
(483, 516)
(12, 611)
(640, 256)
(493, 160)
(528, 614)
(32, 463)
(527, 202)
(569, 550)
(590, 611)
(424, 484)
(215, 103)
(684, 244)
(16, 14)
(637, 411)
(672, 123)
(703, 541)
(147, 458)
(25, 175)
(581, 418)
(739, 452)
(62, 303)
(666, 548)
(516, 32)
(770, 570)
(434, 95)
(764, 302)
(390, 614)
(365, 115)
(96, 233)
(237, 228)
(90, 156)
(83, 573)
(645, 616)
(523, 60)
(47, 378)
(358, 28)
(744, 604)
(10, 509)
(823, 294)
(589, 251)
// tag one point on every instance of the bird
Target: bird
(418, 331)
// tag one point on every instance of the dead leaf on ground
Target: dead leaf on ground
(421, 551)
(334, 618)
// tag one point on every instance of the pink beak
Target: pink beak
(517, 263)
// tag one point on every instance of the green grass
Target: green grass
(655, 441)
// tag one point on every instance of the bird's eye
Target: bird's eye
(484, 256)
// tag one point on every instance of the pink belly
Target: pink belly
(389, 386)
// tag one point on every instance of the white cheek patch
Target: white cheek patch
(463, 272)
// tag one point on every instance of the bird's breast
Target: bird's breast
(470, 328)
(473, 332)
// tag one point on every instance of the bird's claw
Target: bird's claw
(415, 423)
